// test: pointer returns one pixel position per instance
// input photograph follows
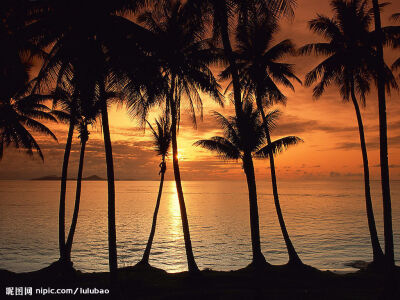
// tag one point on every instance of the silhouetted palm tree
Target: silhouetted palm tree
(19, 107)
(17, 53)
(184, 59)
(83, 137)
(87, 26)
(66, 98)
(243, 138)
(86, 113)
(259, 69)
(69, 107)
(162, 143)
(384, 161)
(221, 15)
(350, 65)
(74, 98)
(18, 116)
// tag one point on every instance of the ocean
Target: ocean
(325, 219)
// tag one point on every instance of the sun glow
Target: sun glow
(180, 156)
(175, 226)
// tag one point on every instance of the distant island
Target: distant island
(54, 177)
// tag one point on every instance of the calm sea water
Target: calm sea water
(326, 221)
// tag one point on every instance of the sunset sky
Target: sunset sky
(328, 127)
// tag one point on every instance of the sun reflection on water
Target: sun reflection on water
(175, 227)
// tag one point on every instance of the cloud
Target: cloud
(392, 166)
(392, 142)
(334, 174)
(348, 174)
(289, 125)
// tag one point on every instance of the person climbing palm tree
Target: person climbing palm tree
(162, 144)
(184, 62)
(259, 73)
(243, 139)
(350, 65)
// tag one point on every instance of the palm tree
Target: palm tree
(243, 138)
(221, 14)
(69, 96)
(16, 57)
(83, 136)
(162, 143)
(184, 59)
(85, 115)
(20, 108)
(349, 65)
(69, 103)
(87, 63)
(18, 116)
(83, 41)
(259, 69)
(383, 147)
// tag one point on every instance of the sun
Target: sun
(180, 156)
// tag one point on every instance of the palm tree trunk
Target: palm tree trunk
(223, 18)
(71, 234)
(112, 238)
(293, 256)
(64, 174)
(384, 161)
(146, 255)
(258, 258)
(192, 266)
(376, 247)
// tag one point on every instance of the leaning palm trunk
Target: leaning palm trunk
(384, 162)
(146, 255)
(64, 174)
(376, 247)
(232, 63)
(192, 266)
(112, 238)
(258, 258)
(293, 256)
(71, 234)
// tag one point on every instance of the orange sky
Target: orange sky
(327, 126)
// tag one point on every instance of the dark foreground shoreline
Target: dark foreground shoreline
(276, 282)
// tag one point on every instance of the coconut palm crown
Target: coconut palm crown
(349, 47)
(19, 116)
(161, 137)
(242, 136)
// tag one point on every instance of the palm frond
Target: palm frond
(395, 16)
(324, 49)
(278, 146)
(223, 147)
(396, 64)
(161, 136)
